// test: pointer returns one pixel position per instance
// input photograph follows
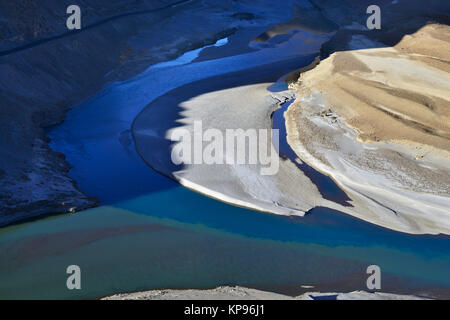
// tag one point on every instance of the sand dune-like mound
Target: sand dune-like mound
(392, 94)
(376, 118)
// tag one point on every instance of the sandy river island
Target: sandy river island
(372, 114)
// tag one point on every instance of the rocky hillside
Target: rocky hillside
(46, 69)
(26, 21)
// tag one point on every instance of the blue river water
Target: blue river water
(327, 187)
(150, 233)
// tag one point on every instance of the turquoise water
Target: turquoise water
(176, 238)
(327, 187)
(151, 233)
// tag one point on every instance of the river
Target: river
(150, 232)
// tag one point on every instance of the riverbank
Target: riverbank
(374, 117)
(241, 293)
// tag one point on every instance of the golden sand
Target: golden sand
(398, 94)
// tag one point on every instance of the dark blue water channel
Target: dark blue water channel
(327, 187)
(152, 233)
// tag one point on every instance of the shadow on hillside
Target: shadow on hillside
(166, 112)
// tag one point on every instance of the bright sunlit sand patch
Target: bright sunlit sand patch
(377, 119)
